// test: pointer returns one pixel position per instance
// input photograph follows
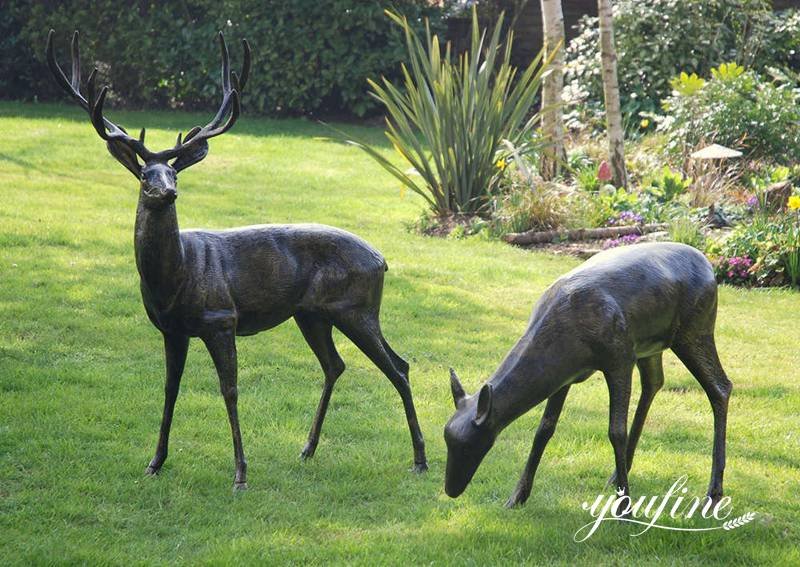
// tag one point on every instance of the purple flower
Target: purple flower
(752, 202)
(621, 241)
(625, 218)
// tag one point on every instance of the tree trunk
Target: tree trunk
(552, 103)
(608, 56)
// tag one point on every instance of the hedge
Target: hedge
(309, 56)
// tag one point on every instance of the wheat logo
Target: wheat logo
(651, 512)
(739, 522)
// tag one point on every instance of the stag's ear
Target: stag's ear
(126, 156)
(193, 154)
(484, 405)
(456, 388)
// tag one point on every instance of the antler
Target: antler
(231, 87)
(107, 129)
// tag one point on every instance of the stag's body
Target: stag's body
(216, 285)
(620, 309)
(253, 278)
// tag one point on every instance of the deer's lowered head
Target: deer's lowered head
(469, 435)
(158, 173)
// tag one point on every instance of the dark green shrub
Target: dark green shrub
(309, 56)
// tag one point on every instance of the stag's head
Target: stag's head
(469, 435)
(158, 171)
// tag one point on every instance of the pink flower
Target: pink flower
(604, 171)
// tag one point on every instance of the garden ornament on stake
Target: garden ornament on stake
(217, 285)
(620, 309)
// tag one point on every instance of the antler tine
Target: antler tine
(245, 65)
(110, 132)
(59, 75)
(235, 109)
(226, 65)
(76, 62)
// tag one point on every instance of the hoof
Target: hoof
(420, 468)
(516, 500)
(307, 452)
(239, 486)
(151, 470)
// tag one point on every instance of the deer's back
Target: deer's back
(647, 295)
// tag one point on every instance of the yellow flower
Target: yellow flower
(645, 123)
(500, 164)
(794, 203)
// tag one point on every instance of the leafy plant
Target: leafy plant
(739, 109)
(449, 118)
(527, 204)
(666, 185)
(769, 249)
(586, 178)
(685, 230)
(687, 85)
(658, 39)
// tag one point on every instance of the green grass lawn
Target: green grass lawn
(81, 382)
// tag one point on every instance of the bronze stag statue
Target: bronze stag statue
(217, 285)
(620, 309)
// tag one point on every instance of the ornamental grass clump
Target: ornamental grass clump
(449, 118)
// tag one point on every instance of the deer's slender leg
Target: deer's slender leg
(175, 348)
(317, 332)
(399, 363)
(365, 332)
(547, 427)
(222, 347)
(651, 373)
(619, 392)
(700, 357)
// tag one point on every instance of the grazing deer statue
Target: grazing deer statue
(217, 285)
(621, 308)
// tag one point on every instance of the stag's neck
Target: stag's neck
(159, 252)
(534, 370)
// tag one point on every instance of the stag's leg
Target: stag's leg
(651, 373)
(317, 332)
(700, 357)
(175, 348)
(619, 391)
(364, 330)
(547, 427)
(399, 363)
(222, 347)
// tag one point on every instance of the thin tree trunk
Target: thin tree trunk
(608, 55)
(552, 113)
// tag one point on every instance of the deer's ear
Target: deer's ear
(193, 154)
(484, 405)
(456, 388)
(126, 156)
